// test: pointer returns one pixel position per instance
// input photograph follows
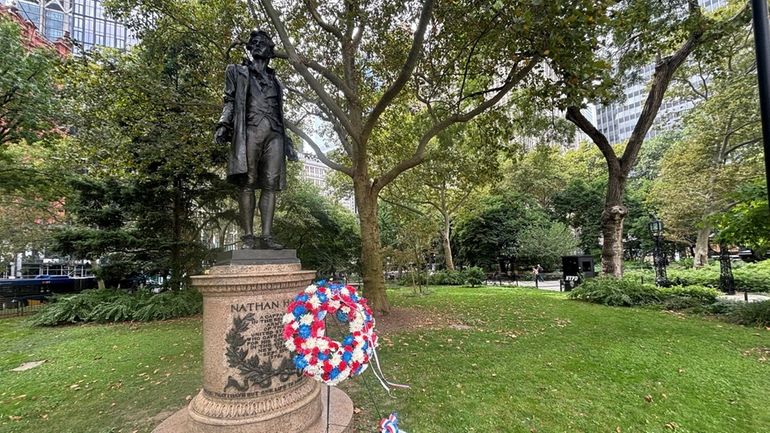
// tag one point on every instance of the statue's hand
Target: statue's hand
(222, 135)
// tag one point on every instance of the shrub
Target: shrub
(702, 295)
(110, 305)
(629, 291)
(616, 292)
(447, 278)
(474, 276)
(754, 277)
(413, 278)
(722, 307)
(750, 313)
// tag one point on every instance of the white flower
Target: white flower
(290, 345)
(314, 301)
(287, 318)
(306, 319)
(311, 288)
(322, 345)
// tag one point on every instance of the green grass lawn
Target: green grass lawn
(513, 360)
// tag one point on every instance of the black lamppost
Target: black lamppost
(658, 258)
(726, 279)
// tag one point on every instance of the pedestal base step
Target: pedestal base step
(340, 421)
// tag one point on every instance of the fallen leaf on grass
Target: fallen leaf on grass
(29, 365)
(356, 410)
(648, 398)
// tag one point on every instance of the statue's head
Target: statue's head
(260, 45)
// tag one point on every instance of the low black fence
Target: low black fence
(16, 309)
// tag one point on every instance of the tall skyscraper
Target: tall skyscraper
(84, 21)
(617, 120)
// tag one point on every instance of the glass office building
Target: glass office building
(85, 21)
(91, 27)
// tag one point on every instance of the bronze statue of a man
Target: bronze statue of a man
(252, 122)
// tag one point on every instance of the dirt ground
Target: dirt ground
(409, 319)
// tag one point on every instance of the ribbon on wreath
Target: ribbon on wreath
(390, 424)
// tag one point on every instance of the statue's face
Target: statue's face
(261, 47)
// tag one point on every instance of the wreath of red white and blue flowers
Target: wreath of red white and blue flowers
(317, 355)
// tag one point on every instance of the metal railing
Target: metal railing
(14, 308)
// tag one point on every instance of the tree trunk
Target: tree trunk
(701, 252)
(371, 251)
(176, 221)
(450, 264)
(613, 215)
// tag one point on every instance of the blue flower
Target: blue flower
(342, 316)
(322, 297)
(323, 356)
(348, 341)
(299, 362)
(302, 297)
(334, 373)
(321, 315)
(304, 331)
(354, 298)
(299, 310)
(320, 283)
(347, 356)
(366, 346)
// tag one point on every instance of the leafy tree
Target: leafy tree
(718, 153)
(642, 31)
(30, 190)
(579, 205)
(325, 235)
(545, 243)
(28, 102)
(747, 223)
(142, 122)
(491, 233)
(388, 77)
(441, 187)
(538, 173)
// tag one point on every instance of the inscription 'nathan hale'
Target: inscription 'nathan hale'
(258, 306)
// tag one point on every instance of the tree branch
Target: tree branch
(514, 77)
(406, 71)
(317, 149)
(296, 61)
(312, 7)
(327, 116)
(745, 143)
(600, 140)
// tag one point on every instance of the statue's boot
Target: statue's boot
(267, 243)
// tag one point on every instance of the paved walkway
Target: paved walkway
(741, 297)
(542, 285)
(553, 286)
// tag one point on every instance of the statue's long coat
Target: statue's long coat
(234, 117)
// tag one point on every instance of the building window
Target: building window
(30, 12)
(54, 22)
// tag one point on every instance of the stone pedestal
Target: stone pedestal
(250, 383)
